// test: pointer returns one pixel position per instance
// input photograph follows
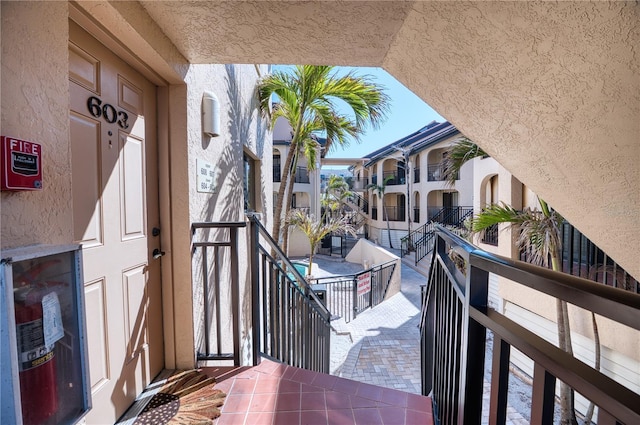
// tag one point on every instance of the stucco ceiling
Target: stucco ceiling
(551, 90)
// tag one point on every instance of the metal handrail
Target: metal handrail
(341, 291)
(298, 280)
(455, 319)
(231, 243)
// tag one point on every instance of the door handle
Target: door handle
(157, 253)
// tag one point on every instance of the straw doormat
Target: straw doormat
(187, 398)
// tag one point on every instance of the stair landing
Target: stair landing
(273, 394)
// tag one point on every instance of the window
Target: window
(248, 182)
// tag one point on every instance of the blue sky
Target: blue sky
(407, 113)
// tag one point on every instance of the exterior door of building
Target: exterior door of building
(115, 207)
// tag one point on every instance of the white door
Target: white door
(115, 207)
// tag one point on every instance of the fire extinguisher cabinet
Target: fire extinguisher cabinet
(45, 378)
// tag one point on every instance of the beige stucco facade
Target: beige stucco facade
(35, 106)
(551, 90)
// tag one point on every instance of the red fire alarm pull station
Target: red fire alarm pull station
(21, 164)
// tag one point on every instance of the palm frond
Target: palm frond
(456, 156)
(540, 232)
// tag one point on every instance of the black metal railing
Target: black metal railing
(450, 216)
(416, 175)
(490, 235)
(215, 248)
(347, 296)
(454, 324)
(277, 175)
(290, 321)
(359, 201)
(395, 213)
(435, 173)
(420, 240)
(581, 257)
(393, 178)
(360, 183)
(302, 175)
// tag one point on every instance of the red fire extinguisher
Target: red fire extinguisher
(37, 368)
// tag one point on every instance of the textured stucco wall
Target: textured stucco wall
(548, 89)
(292, 32)
(35, 107)
(242, 130)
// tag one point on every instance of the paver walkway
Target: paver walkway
(381, 346)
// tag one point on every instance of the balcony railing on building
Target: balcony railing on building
(360, 183)
(394, 213)
(276, 174)
(435, 172)
(395, 177)
(490, 235)
(302, 175)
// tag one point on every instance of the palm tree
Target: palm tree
(456, 156)
(539, 237)
(336, 193)
(308, 99)
(316, 230)
(380, 189)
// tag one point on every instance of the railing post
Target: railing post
(255, 289)
(235, 295)
(473, 343)
(355, 296)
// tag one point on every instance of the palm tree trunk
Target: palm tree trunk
(287, 205)
(384, 212)
(567, 395)
(277, 216)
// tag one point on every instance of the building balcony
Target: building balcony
(394, 178)
(302, 175)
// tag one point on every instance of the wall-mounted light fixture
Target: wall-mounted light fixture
(210, 114)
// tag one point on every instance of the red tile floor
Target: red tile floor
(275, 394)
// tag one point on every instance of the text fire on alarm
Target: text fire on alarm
(21, 164)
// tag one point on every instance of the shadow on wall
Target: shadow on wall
(227, 204)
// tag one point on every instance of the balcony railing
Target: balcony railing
(360, 183)
(394, 177)
(302, 175)
(583, 258)
(490, 235)
(394, 213)
(435, 172)
(456, 319)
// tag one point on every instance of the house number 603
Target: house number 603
(108, 112)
